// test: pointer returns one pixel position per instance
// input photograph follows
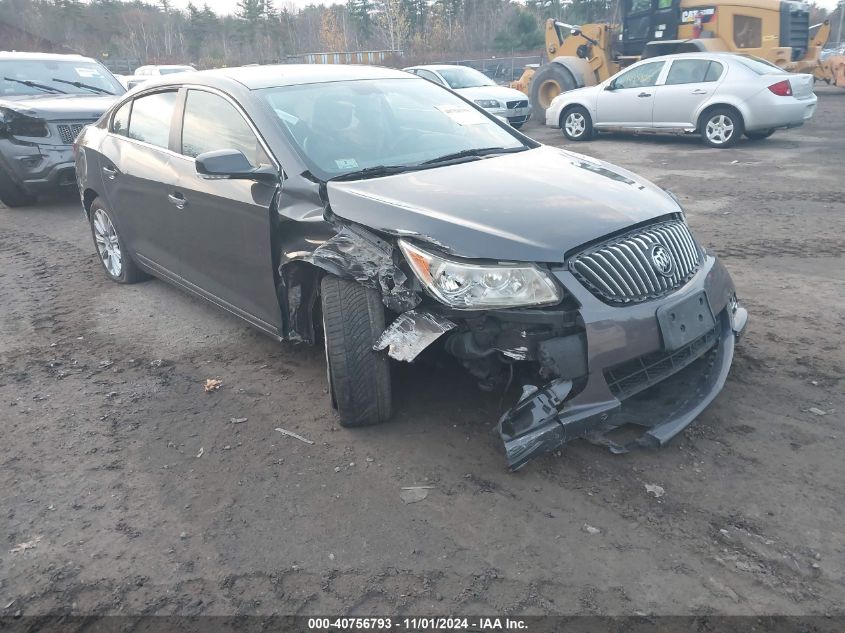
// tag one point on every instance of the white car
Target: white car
(718, 95)
(168, 69)
(130, 81)
(501, 101)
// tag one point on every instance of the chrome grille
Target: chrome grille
(523, 103)
(69, 131)
(623, 271)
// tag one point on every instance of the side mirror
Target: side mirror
(233, 165)
(610, 86)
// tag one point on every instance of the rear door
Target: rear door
(688, 84)
(628, 100)
(136, 165)
(226, 229)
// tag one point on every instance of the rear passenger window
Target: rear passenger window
(714, 71)
(212, 123)
(687, 71)
(120, 121)
(150, 120)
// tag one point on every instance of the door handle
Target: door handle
(110, 173)
(699, 91)
(644, 94)
(177, 200)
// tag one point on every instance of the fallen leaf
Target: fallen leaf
(22, 547)
(656, 490)
(238, 420)
(412, 495)
(202, 450)
(817, 411)
(212, 384)
(589, 529)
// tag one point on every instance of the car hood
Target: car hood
(60, 107)
(492, 92)
(534, 205)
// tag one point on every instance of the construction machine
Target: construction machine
(775, 30)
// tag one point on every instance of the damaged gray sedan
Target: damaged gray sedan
(386, 214)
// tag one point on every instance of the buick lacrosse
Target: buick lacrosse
(384, 214)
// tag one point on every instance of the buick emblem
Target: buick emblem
(661, 259)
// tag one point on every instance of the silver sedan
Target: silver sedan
(720, 96)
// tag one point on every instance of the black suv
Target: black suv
(45, 100)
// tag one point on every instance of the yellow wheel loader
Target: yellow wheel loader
(774, 30)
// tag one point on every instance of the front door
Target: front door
(226, 231)
(628, 99)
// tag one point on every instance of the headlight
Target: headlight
(28, 126)
(471, 286)
(488, 103)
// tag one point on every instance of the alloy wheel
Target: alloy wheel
(575, 124)
(108, 244)
(719, 129)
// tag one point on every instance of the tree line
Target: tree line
(260, 32)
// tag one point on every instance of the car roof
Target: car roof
(701, 54)
(271, 76)
(47, 57)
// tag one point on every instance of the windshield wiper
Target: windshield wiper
(79, 84)
(374, 172)
(34, 84)
(474, 153)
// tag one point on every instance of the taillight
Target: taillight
(782, 88)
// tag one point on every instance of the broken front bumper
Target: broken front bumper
(38, 167)
(627, 361)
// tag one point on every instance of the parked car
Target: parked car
(717, 95)
(164, 69)
(382, 213)
(130, 81)
(45, 100)
(501, 101)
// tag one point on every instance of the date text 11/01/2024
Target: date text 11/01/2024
(417, 624)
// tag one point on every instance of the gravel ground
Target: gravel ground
(138, 493)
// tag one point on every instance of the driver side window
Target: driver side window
(639, 77)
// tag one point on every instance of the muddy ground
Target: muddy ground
(139, 494)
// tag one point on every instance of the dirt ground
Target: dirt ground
(139, 494)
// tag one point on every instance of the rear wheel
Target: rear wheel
(759, 135)
(359, 377)
(114, 257)
(11, 194)
(548, 82)
(577, 124)
(721, 127)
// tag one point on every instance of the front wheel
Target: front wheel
(721, 127)
(759, 135)
(11, 194)
(358, 376)
(577, 124)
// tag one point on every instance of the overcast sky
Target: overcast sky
(228, 6)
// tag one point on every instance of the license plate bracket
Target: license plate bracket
(684, 321)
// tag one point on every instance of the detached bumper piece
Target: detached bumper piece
(662, 393)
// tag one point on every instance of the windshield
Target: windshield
(465, 77)
(346, 126)
(38, 77)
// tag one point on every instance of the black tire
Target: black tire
(725, 136)
(576, 124)
(359, 377)
(549, 81)
(759, 135)
(11, 194)
(129, 273)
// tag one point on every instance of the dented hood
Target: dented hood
(54, 107)
(530, 206)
